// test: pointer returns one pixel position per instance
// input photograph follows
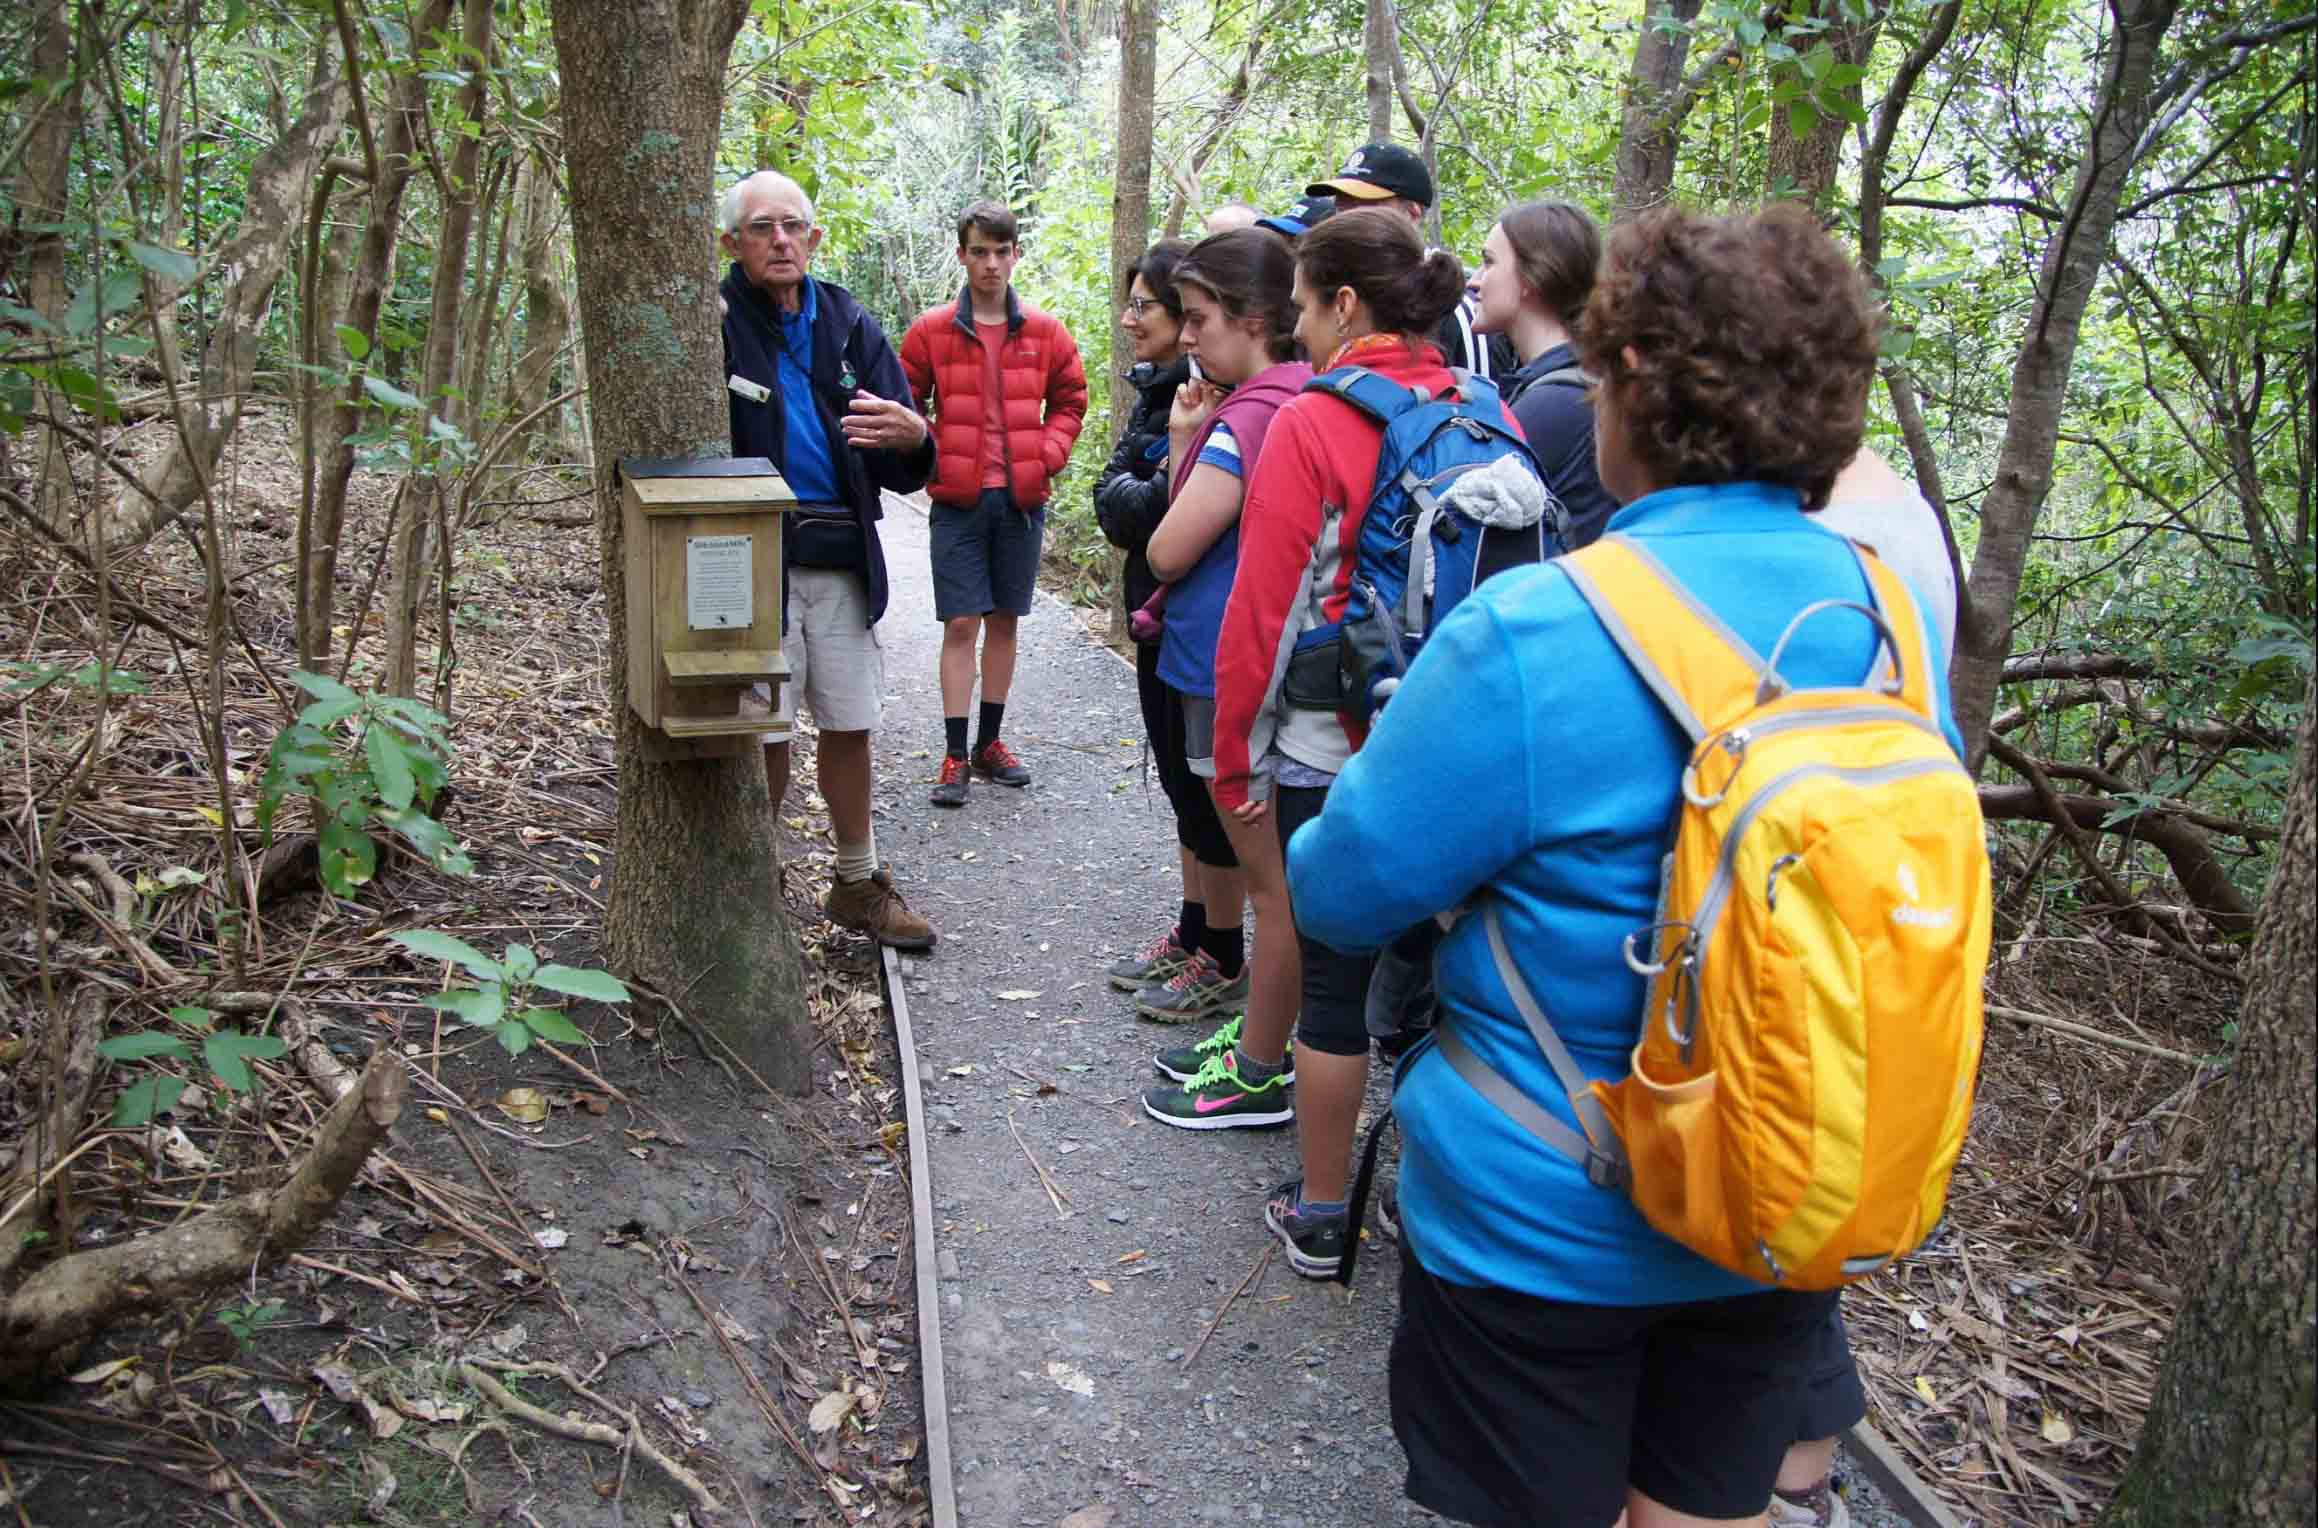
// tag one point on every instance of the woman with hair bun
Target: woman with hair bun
(1557, 1361)
(1537, 270)
(1367, 294)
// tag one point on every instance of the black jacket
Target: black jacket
(1558, 419)
(1131, 490)
(849, 351)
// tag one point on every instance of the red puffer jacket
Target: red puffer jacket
(1044, 406)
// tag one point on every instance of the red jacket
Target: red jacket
(1299, 540)
(1045, 399)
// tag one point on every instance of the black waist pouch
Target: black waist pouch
(1315, 679)
(825, 536)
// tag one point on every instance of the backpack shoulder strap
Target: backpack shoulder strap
(1701, 671)
(1380, 398)
(1564, 376)
(1906, 626)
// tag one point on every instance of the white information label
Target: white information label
(719, 594)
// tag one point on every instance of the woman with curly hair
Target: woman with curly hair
(1557, 1360)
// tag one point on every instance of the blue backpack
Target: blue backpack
(1458, 497)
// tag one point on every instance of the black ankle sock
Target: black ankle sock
(1191, 925)
(1229, 946)
(986, 729)
(954, 730)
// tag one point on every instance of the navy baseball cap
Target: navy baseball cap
(1299, 219)
(1377, 171)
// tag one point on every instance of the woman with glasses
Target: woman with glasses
(1130, 501)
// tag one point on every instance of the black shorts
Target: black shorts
(1518, 1412)
(1198, 827)
(1334, 1018)
(986, 558)
(1834, 1399)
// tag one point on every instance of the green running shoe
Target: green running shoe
(1183, 1062)
(1216, 1099)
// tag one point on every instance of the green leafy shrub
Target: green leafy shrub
(362, 759)
(504, 998)
(226, 1051)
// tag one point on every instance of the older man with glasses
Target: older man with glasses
(815, 387)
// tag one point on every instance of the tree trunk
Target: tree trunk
(1377, 48)
(271, 221)
(1803, 165)
(478, 364)
(1130, 215)
(323, 521)
(2229, 1437)
(2065, 281)
(1657, 100)
(546, 311)
(42, 189)
(695, 904)
(406, 586)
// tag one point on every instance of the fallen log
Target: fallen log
(64, 1304)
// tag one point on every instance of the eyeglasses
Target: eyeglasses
(792, 229)
(1141, 305)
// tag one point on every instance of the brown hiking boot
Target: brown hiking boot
(874, 908)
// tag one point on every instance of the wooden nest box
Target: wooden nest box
(703, 553)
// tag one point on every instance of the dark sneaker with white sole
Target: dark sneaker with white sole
(996, 763)
(1198, 990)
(1315, 1243)
(1155, 962)
(1183, 1062)
(1217, 1098)
(950, 788)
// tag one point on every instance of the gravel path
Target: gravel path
(1068, 1336)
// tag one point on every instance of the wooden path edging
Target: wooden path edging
(1874, 1456)
(941, 1488)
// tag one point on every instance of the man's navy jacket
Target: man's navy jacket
(849, 352)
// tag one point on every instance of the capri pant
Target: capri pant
(1334, 1020)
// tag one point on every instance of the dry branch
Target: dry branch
(634, 1437)
(65, 1303)
(66, 1101)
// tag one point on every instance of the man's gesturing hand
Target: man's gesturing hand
(880, 424)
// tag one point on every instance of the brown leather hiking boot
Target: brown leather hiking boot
(874, 908)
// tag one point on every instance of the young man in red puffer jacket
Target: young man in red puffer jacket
(1007, 395)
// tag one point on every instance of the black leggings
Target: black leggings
(1197, 827)
(1334, 1019)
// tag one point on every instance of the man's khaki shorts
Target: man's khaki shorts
(836, 666)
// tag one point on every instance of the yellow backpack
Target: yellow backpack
(1812, 1028)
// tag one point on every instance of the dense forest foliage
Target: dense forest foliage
(260, 259)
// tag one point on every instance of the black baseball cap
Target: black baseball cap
(1298, 220)
(1378, 171)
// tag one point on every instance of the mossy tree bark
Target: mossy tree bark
(696, 899)
(2233, 1435)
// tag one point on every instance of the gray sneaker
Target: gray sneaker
(1155, 962)
(1197, 991)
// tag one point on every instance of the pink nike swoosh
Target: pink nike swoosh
(1206, 1105)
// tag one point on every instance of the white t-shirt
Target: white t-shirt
(1878, 508)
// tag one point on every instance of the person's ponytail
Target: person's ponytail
(1421, 296)
(1378, 254)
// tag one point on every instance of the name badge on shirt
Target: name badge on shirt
(755, 392)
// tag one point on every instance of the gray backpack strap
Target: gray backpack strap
(1598, 1150)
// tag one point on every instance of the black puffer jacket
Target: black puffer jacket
(1131, 492)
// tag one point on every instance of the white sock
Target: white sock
(857, 862)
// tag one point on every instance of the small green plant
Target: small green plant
(363, 759)
(225, 1050)
(245, 1320)
(86, 676)
(504, 999)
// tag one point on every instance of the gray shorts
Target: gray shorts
(1199, 735)
(836, 664)
(985, 558)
